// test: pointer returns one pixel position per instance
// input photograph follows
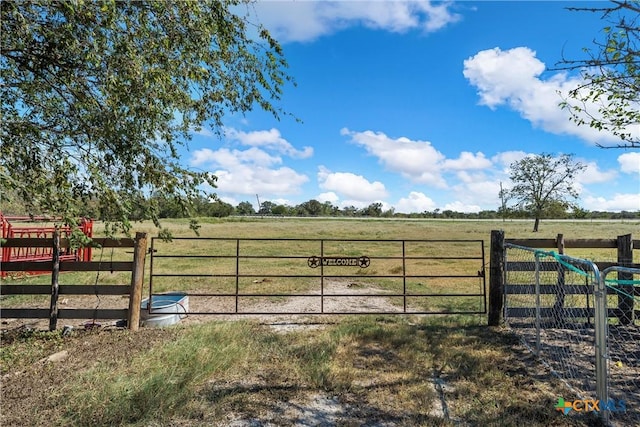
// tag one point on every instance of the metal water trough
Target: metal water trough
(166, 309)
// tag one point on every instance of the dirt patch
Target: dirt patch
(350, 297)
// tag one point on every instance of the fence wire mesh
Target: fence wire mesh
(551, 308)
(584, 331)
(622, 285)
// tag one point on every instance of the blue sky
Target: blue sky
(418, 106)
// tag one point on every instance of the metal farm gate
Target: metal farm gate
(249, 276)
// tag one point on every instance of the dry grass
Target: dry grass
(365, 370)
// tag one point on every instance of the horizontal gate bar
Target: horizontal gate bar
(318, 276)
(65, 289)
(229, 295)
(324, 313)
(47, 242)
(67, 266)
(306, 239)
(43, 313)
(307, 256)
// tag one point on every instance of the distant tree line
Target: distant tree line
(169, 208)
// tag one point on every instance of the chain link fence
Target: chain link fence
(580, 323)
(623, 339)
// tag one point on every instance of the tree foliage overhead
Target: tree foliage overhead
(99, 96)
(542, 183)
(611, 72)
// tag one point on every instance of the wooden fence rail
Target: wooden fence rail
(497, 288)
(55, 266)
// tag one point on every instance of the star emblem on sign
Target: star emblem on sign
(364, 261)
(313, 261)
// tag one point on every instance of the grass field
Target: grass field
(314, 228)
(340, 370)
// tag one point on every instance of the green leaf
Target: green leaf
(98, 99)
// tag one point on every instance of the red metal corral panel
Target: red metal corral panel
(25, 227)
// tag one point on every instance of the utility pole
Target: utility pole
(259, 205)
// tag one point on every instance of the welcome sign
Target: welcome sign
(362, 262)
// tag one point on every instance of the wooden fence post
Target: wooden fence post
(55, 273)
(625, 299)
(137, 280)
(496, 277)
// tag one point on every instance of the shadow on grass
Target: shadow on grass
(493, 380)
(376, 370)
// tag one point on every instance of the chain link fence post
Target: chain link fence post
(600, 320)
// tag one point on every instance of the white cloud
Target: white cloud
(630, 163)
(350, 185)
(415, 202)
(478, 189)
(307, 20)
(506, 158)
(268, 139)
(619, 202)
(421, 163)
(199, 157)
(467, 161)
(418, 161)
(232, 158)
(512, 78)
(245, 179)
(256, 170)
(329, 196)
(592, 174)
(358, 204)
(501, 76)
(231, 200)
(280, 201)
(461, 207)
